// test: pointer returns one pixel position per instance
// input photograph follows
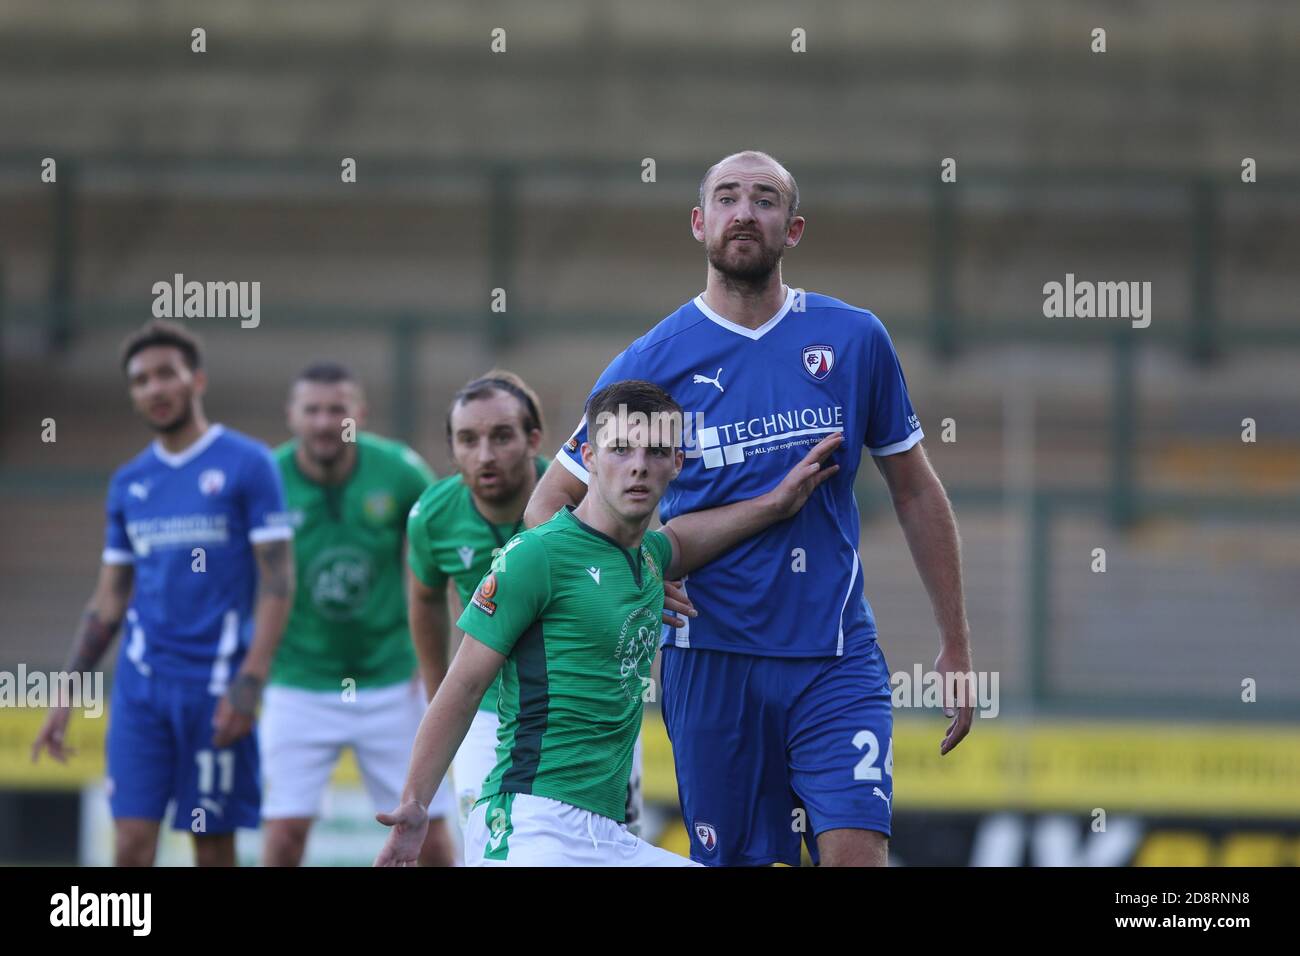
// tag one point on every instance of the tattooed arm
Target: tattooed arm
(99, 625)
(275, 588)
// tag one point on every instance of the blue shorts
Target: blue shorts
(160, 749)
(772, 751)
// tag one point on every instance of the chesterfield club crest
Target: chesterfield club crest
(818, 360)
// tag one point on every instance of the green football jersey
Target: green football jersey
(447, 537)
(349, 613)
(578, 618)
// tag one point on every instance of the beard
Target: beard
(501, 494)
(751, 271)
(176, 424)
(327, 460)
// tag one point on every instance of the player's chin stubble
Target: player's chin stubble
(503, 492)
(177, 423)
(327, 460)
(753, 271)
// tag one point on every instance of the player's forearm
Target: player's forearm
(554, 490)
(102, 618)
(702, 536)
(94, 636)
(269, 619)
(930, 527)
(276, 583)
(429, 629)
(443, 728)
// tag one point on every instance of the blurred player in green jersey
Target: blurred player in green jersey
(345, 674)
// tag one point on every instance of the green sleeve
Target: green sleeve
(661, 549)
(512, 596)
(419, 550)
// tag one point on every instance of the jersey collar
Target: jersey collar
(754, 334)
(633, 559)
(198, 447)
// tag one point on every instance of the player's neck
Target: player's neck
(182, 438)
(598, 516)
(743, 304)
(512, 510)
(327, 473)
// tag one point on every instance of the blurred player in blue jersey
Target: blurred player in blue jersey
(776, 696)
(199, 563)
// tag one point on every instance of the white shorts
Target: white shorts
(303, 733)
(538, 831)
(478, 755)
(474, 761)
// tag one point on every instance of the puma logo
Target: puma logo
(876, 791)
(702, 379)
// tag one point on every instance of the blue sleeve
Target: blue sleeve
(892, 425)
(263, 500)
(570, 453)
(117, 544)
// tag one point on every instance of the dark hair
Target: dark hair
(500, 380)
(161, 332)
(632, 395)
(325, 373)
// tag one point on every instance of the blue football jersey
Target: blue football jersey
(191, 615)
(756, 401)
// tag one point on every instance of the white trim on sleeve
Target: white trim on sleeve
(270, 533)
(117, 556)
(898, 446)
(573, 467)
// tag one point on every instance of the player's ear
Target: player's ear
(679, 459)
(200, 380)
(588, 453)
(794, 232)
(534, 440)
(697, 224)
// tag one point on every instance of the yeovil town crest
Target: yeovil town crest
(818, 360)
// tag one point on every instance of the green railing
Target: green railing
(949, 325)
(948, 328)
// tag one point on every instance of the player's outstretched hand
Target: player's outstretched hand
(955, 665)
(677, 606)
(51, 736)
(410, 822)
(798, 485)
